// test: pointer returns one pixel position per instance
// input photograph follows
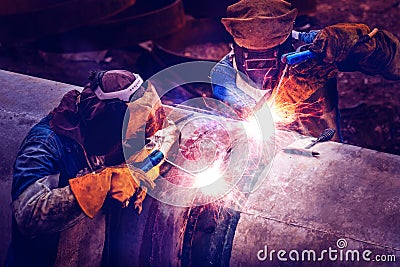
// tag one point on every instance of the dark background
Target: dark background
(370, 106)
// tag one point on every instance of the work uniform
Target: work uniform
(43, 204)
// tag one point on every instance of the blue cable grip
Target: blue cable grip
(155, 157)
(298, 57)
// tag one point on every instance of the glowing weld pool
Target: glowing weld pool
(219, 154)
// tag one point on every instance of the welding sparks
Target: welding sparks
(283, 114)
(260, 126)
(286, 113)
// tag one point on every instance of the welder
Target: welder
(71, 166)
(307, 99)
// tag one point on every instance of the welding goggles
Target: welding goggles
(116, 93)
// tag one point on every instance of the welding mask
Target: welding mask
(102, 106)
(260, 29)
(96, 116)
(144, 115)
(261, 66)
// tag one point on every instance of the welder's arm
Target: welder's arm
(223, 78)
(39, 204)
(44, 208)
(385, 59)
(340, 44)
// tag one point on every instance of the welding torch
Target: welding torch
(160, 144)
(155, 158)
(301, 56)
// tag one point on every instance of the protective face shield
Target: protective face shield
(103, 106)
(143, 114)
(261, 66)
(260, 30)
(96, 117)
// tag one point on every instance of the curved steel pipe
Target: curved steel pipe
(304, 204)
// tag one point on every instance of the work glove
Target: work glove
(153, 173)
(337, 42)
(165, 139)
(119, 183)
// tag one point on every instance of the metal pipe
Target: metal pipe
(305, 203)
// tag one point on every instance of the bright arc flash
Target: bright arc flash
(261, 125)
(210, 175)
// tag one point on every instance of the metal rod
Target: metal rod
(264, 98)
(179, 167)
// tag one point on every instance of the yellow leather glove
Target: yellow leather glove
(167, 137)
(152, 174)
(91, 190)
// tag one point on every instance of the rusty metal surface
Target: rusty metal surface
(134, 25)
(56, 18)
(207, 8)
(199, 39)
(9, 7)
(153, 238)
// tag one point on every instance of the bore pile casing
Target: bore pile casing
(303, 204)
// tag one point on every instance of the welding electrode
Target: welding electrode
(154, 159)
(326, 135)
(300, 152)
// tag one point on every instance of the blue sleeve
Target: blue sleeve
(223, 78)
(38, 157)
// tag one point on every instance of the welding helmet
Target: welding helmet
(260, 66)
(103, 106)
(115, 84)
(260, 29)
(260, 24)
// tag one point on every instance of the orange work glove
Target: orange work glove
(120, 183)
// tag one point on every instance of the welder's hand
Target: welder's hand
(146, 181)
(152, 174)
(124, 183)
(164, 139)
(92, 189)
(337, 42)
